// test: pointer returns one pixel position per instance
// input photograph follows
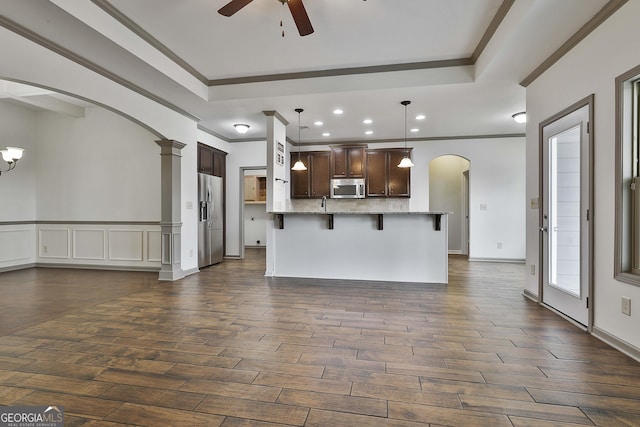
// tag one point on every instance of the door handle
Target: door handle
(543, 228)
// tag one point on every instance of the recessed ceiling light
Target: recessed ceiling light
(367, 121)
(369, 132)
(337, 111)
(318, 123)
(326, 134)
(414, 130)
(421, 117)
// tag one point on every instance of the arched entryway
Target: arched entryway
(449, 191)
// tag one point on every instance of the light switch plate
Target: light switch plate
(625, 306)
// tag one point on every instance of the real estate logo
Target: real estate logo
(31, 416)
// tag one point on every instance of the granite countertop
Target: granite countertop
(332, 212)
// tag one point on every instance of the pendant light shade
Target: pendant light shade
(299, 165)
(406, 160)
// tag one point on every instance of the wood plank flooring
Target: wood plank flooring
(229, 347)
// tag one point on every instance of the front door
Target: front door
(564, 225)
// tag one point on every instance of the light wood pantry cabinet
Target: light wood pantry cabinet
(255, 189)
(348, 161)
(384, 177)
(313, 182)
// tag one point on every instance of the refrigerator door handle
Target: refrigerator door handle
(203, 211)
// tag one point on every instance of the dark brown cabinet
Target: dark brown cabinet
(313, 182)
(384, 177)
(211, 160)
(348, 161)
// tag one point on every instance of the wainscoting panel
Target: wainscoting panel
(126, 245)
(54, 243)
(154, 239)
(16, 245)
(108, 245)
(89, 244)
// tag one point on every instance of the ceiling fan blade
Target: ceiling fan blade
(300, 17)
(233, 6)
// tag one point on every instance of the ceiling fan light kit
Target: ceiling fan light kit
(296, 7)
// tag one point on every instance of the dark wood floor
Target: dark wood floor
(229, 347)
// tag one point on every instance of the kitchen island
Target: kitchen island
(353, 245)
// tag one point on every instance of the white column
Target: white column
(170, 213)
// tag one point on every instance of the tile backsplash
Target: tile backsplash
(349, 205)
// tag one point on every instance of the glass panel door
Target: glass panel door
(565, 230)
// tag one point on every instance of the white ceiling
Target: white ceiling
(364, 57)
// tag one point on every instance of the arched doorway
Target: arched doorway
(449, 191)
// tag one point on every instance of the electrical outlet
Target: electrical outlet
(625, 306)
(191, 253)
(499, 245)
(533, 269)
(45, 249)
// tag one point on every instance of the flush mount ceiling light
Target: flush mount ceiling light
(406, 160)
(318, 123)
(421, 117)
(241, 127)
(520, 117)
(337, 111)
(299, 166)
(11, 155)
(367, 121)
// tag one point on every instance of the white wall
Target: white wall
(101, 167)
(590, 68)
(497, 182)
(18, 187)
(241, 155)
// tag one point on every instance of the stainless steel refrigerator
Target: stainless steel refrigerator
(210, 225)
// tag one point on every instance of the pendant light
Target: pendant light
(299, 166)
(406, 160)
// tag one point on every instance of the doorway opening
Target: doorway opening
(449, 192)
(253, 208)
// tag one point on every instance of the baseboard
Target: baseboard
(17, 267)
(455, 252)
(530, 295)
(97, 267)
(630, 350)
(513, 260)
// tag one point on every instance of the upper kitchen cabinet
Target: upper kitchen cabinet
(313, 182)
(384, 177)
(348, 161)
(211, 160)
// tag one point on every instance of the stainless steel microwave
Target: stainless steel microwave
(350, 188)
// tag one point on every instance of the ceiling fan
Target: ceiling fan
(296, 7)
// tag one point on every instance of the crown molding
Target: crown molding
(607, 10)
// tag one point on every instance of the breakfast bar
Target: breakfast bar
(349, 245)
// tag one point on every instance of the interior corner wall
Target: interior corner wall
(590, 68)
